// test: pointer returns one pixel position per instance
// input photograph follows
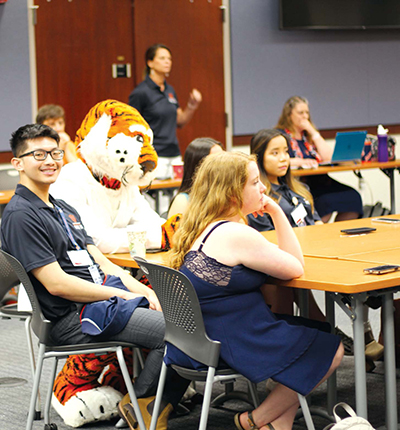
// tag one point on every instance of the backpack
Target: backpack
(352, 422)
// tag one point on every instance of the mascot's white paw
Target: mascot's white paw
(98, 404)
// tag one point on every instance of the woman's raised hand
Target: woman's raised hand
(195, 99)
(305, 125)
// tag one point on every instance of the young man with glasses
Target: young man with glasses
(66, 268)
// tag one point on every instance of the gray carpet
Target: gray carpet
(14, 400)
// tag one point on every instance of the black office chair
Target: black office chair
(9, 280)
(185, 330)
(42, 328)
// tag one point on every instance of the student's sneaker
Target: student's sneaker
(346, 340)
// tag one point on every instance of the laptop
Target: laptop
(348, 147)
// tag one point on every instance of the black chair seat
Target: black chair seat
(89, 346)
(11, 310)
(201, 375)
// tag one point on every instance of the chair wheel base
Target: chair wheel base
(51, 426)
(37, 416)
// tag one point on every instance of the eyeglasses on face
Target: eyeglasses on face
(41, 154)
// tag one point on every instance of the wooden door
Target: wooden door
(192, 29)
(77, 41)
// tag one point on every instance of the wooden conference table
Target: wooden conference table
(5, 196)
(334, 264)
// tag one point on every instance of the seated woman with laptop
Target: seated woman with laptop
(307, 149)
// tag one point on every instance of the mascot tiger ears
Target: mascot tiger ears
(116, 156)
(116, 144)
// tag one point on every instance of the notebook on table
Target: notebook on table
(348, 147)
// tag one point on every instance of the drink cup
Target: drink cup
(178, 170)
(136, 241)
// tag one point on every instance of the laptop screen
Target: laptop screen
(348, 146)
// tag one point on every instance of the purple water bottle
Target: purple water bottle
(382, 144)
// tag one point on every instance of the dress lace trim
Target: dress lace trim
(208, 269)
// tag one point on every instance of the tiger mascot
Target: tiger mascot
(116, 156)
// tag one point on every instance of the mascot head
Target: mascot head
(115, 143)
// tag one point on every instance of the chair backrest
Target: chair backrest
(184, 325)
(9, 178)
(8, 279)
(40, 325)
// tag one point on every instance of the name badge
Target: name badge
(299, 214)
(80, 258)
(95, 274)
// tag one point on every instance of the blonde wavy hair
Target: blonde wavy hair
(258, 146)
(216, 194)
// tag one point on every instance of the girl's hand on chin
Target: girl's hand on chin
(267, 206)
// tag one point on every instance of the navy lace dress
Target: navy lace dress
(254, 341)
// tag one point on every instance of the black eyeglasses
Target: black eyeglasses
(41, 154)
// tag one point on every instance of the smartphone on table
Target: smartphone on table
(387, 220)
(358, 230)
(380, 270)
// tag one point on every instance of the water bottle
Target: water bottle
(382, 143)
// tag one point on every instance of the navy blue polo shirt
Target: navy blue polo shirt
(32, 232)
(159, 109)
(264, 223)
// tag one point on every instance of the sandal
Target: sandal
(250, 420)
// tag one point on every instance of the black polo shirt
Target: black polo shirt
(158, 108)
(32, 232)
(286, 202)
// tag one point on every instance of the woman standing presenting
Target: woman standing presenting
(307, 149)
(157, 102)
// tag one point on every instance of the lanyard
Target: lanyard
(66, 227)
(93, 269)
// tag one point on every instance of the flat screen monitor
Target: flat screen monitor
(339, 14)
